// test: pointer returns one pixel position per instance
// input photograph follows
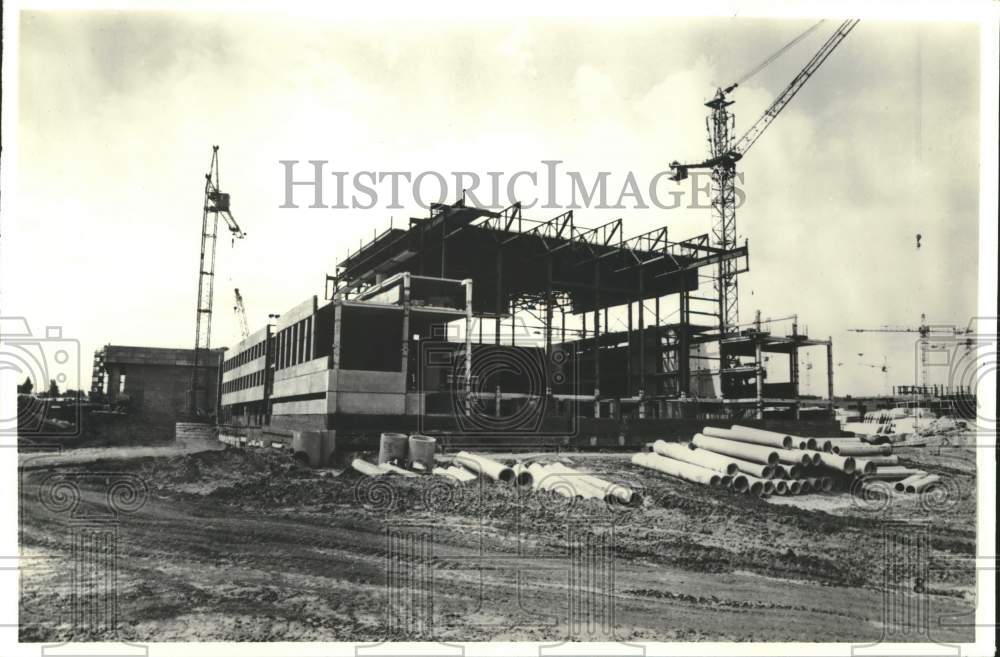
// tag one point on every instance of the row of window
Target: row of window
(251, 380)
(244, 357)
(294, 344)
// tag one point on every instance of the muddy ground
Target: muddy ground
(231, 545)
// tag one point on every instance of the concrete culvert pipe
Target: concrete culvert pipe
(366, 468)
(817, 458)
(751, 468)
(704, 458)
(461, 474)
(794, 471)
(741, 483)
(389, 468)
(879, 461)
(544, 480)
(727, 481)
(794, 457)
(488, 467)
(421, 452)
(864, 466)
(761, 437)
(679, 469)
(522, 476)
(615, 493)
(757, 486)
(845, 464)
(862, 449)
(893, 472)
(781, 487)
(392, 447)
(745, 451)
(926, 483)
(806, 485)
(901, 485)
(827, 484)
(794, 487)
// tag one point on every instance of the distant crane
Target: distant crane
(216, 204)
(724, 153)
(884, 368)
(241, 313)
(925, 331)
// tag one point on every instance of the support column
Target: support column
(684, 346)
(628, 356)
(405, 350)
(468, 342)
(642, 336)
(548, 324)
(760, 381)
(499, 299)
(597, 339)
(338, 310)
(793, 374)
(829, 369)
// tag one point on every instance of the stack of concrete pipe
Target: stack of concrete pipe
(762, 462)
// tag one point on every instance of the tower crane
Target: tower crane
(884, 369)
(241, 313)
(215, 205)
(925, 331)
(724, 153)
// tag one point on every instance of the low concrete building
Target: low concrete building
(154, 383)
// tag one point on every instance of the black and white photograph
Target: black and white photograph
(429, 329)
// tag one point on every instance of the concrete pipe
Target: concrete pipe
(461, 474)
(892, 459)
(893, 473)
(862, 449)
(717, 432)
(780, 472)
(761, 437)
(828, 484)
(444, 472)
(751, 468)
(805, 443)
(864, 466)
(389, 468)
(522, 477)
(701, 457)
(793, 457)
(925, 483)
(794, 487)
(366, 468)
(845, 464)
(741, 482)
(781, 487)
(577, 482)
(679, 469)
(612, 492)
(815, 484)
(392, 447)
(745, 451)
(542, 479)
(901, 485)
(483, 466)
(726, 482)
(806, 485)
(817, 458)
(421, 452)
(756, 486)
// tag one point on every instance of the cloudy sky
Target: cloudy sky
(118, 112)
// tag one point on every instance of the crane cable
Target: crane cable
(778, 53)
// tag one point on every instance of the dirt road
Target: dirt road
(249, 546)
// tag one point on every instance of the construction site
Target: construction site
(493, 425)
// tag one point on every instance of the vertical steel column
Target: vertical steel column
(468, 341)
(548, 323)
(628, 355)
(499, 300)
(684, 346)
(335, 348)
(405, 350)
(829, 369)
(642, 333)
(597, 339)
(760, 379)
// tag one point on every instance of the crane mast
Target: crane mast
(215, 205)
(724, 153)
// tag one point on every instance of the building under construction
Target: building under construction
(477, 322)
